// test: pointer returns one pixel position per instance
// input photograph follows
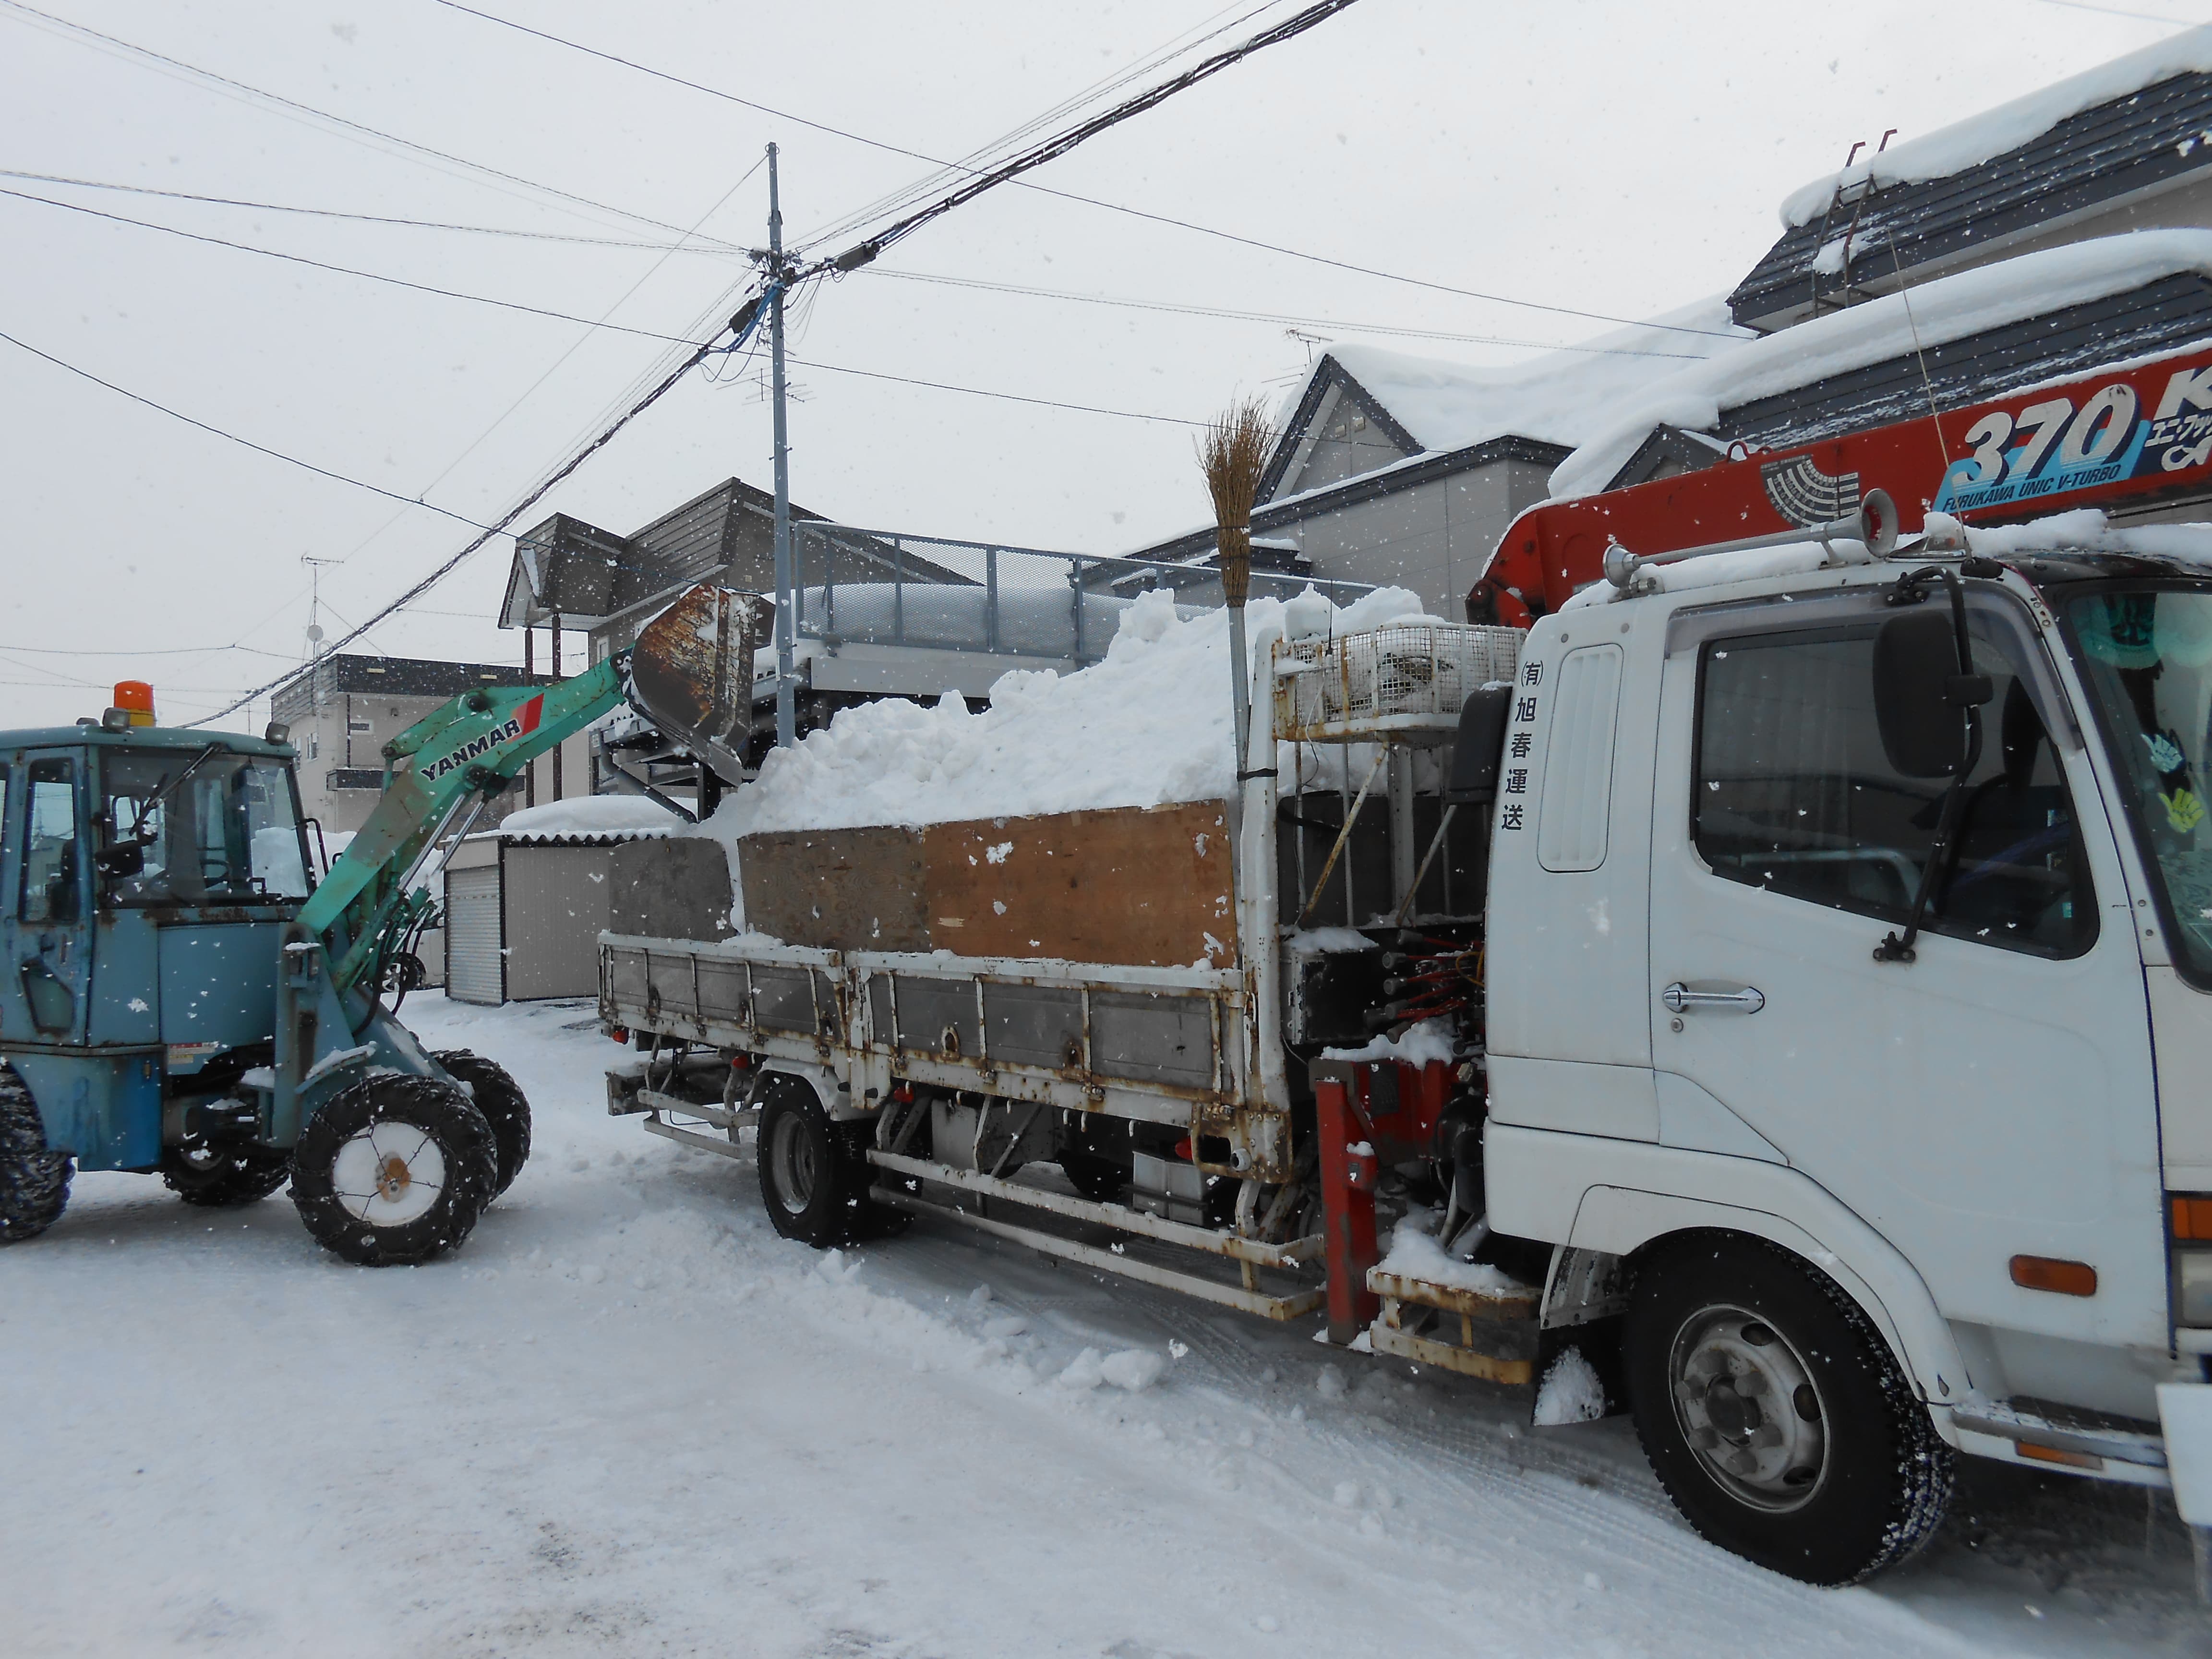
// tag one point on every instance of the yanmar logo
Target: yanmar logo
(523, 721)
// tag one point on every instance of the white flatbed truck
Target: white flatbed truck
(1831, 1024)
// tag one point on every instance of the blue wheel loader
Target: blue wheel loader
(179, 997)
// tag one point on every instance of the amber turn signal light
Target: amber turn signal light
(2192, 1216)
(2043, 1272)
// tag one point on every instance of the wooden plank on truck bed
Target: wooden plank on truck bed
(838, 889)
(1138, 887)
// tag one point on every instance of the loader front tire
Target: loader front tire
(394, 1170)
(503, 1103)
(34, 1183)
(814, 1174)
(1774, 1413)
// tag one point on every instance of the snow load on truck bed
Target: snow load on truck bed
(1149, 726)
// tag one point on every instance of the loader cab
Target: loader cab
(145, 876)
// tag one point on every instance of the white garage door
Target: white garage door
(472, 938)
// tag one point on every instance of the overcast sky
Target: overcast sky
(1613, 158)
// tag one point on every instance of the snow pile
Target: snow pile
(589, 814)
(1980, 138)
(1930, 314)
(2083, 530)
(1418, 1044)
(1134, 1370)
(1148, 726)
(1571, 1393)
(1415, 1254)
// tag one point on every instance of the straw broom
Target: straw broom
(1233, 453)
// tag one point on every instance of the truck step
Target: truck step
(1259, 1253)
(692, 1138)
(1260, 1302)
(1491, 1334)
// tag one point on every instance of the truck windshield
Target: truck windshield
(228, 834)
(2147, 656)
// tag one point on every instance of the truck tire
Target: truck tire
(394, 1170)
(218, 1176)
(813, 1176)
(34, 1183)
(1775, 1415)
(504, 1106)
(1097, 1177)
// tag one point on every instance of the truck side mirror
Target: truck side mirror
(1920, 696)
(1480, 748)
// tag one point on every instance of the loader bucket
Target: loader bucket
(691, 673)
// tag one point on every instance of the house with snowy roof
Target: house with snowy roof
(1404, 471)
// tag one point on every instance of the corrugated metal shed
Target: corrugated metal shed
(2130, 149)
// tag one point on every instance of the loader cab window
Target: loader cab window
(227, 833)
(1793, 793)
(50, 837)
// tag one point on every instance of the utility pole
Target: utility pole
(786, 718)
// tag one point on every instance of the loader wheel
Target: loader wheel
(504, 1106)
(219, 1177)
(394, 1170)
(1774, 1414)
(34, 1183)
(814, 1175)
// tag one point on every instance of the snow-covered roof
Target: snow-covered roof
(1560, 396)
(586, 817)
(1980, 137)
(1894, 327)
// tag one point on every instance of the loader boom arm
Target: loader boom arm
(464, 753)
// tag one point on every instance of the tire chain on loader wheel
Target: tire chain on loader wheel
(220, 1176)
(34, 1183)
(1748, 1320)
(504, 1106)
(815, 1173)
(394, 1170)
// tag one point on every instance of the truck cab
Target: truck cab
(146, 875)
(1931, 1035)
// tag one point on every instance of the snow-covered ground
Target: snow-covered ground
(627, 1419)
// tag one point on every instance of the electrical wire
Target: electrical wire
(424, 584)
(362, 218)
(1088, 201)
(344, 271)
(1006, 397)
(1179, 309)
(240, 87)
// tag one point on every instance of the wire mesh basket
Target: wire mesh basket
(1409, 679)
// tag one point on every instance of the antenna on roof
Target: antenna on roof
(1904, 293)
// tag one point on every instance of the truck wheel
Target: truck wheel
(1775, 1415)
(813, 1179)
(394, 1170)
(220, 1176)
(504, 1106)
(34, 1183)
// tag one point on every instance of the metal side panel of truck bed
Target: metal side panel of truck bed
(1160, 1045)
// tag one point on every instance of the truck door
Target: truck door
(46, 957)
(1990, 1099)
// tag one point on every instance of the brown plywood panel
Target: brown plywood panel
(839, 889)
(1135, 887)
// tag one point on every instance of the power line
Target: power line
(147, 52)
(343, 270)
(1004, 396)
(362, 218)
(1179, 309)
(1072, 196)
(263, 449)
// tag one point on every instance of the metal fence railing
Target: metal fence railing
(885, 587)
